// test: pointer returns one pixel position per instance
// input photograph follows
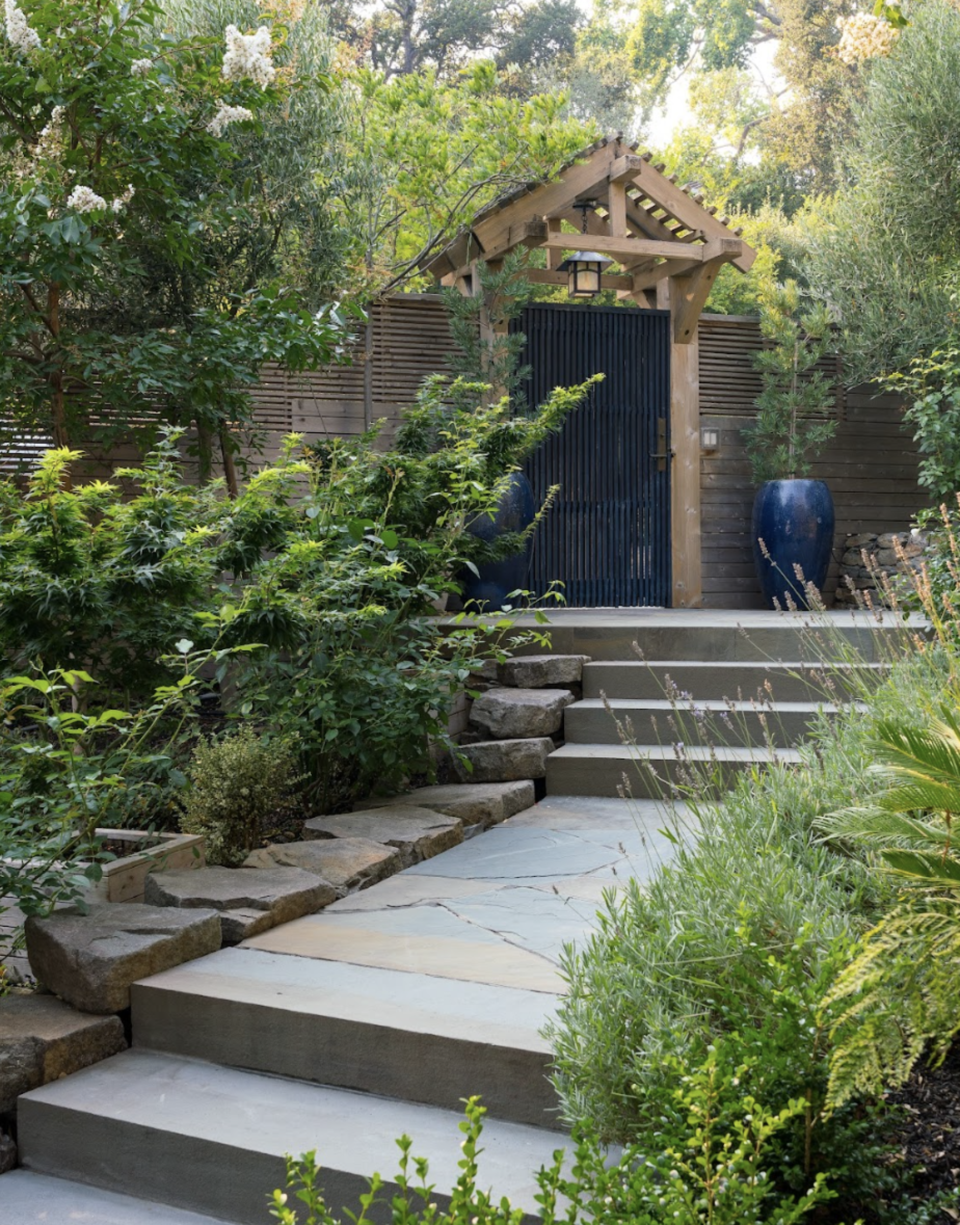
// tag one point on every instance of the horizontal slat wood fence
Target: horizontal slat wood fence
(871, 465)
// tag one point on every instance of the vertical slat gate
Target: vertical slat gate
(607, 535)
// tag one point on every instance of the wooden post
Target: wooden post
(685, 442)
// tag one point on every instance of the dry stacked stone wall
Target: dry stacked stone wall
(874, 562)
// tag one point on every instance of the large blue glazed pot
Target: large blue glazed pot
(497, 579)
(794, 521)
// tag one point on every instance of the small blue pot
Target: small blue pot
(498, 578)
(794, 520)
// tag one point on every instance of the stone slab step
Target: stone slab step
(412, 1036)
(214, 1140)
(600, 769)
(708, 721)
(708, 634)
(37, 1199)
(701, 679)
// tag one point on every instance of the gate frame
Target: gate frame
(669, 246)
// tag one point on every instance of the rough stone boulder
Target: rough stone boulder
(417, 833)
(42, 1039)
(249, 901)
(90, 960)
(482, 804)
(346, 863)
(542, 671)
(501, 761)
(510, 714)
(8, 1153)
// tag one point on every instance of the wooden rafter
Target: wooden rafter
(647, 223)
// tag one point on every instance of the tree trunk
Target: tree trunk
(58, 404)
(229, 467)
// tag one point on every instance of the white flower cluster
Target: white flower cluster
(141, 68)
(85, 200)
(248, 56)
(864, 36)
(20, 35)
(118, 202)
(227, 115)
(51, 138)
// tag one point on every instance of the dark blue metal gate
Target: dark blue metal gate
(607, 535)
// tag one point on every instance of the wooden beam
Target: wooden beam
(554, 226)
(552, 198)
(549, 276)
(628, 249)
(691, 292)
(529, 233)
(685, 529)
(646, 278)
(626, 167)
(685, 209)
(617, 204)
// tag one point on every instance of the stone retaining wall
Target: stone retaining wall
(869, 556)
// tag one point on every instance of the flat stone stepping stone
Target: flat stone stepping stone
(542, 671)
(90, 960)
(507, 714)
(503, 761)
(482, 804)
(417, 833)
(42, 1039)
(249, 900)
(346, 863)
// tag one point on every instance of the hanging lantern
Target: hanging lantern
(584, 268)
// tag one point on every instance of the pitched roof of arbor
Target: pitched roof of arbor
(642, 220)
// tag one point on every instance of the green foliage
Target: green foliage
(716, 1171)
(67, 770)
(486, 350)
(237, 785)
(932, 387)
(89, 578)
(335, 566)
(887, 275)
(140, 254)
(899, 995)
(421, 156)
(796, 407)
(738, 938)
(398, 38)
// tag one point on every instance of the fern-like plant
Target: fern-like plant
(901, 994)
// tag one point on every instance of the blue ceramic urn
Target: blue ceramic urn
(792, 539)
(497, 579)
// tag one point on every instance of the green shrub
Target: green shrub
(715, 1172)
(899, 997)
(236, 786)
(67, 771)
(738, 939)
(333, 568)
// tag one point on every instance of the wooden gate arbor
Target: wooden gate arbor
(669, 247)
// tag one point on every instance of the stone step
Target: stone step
(701, 679)
(214, 1140)
(600, 769)
(709, 721)
(427, 1039)
(37, 1199)
(710, 634)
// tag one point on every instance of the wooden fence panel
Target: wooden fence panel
(870, 465)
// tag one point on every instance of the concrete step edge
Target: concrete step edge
(405, 1035)
(214, 1140)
